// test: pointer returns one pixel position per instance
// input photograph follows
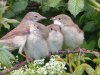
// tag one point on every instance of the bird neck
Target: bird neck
(58, 23)
(36, 33)
(67, 22)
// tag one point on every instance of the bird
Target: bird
(36, 46)
(73, 35)
(16, 38)
(3, 3)
(55, 38)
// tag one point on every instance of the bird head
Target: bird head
(61, 19)
(34, 16)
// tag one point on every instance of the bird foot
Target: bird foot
(81, 52)
(28, 59)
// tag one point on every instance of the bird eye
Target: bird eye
(35, 16)
(59, 18)
(37, 27)
(51, 29)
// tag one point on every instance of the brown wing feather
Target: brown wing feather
(20, 30)
(76, 26)
(78, 29)
(43, 29)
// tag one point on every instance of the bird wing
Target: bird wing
(78, 29)
(22, 30)
(43, 29)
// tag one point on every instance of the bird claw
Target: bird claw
(28, 59)
(81, 51)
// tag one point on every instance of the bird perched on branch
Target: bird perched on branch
(73, 35)
(55, 38)
(36, 45)
(16, 38)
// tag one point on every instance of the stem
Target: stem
(96, 4)
(97, 9)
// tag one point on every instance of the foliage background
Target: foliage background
(85, 13)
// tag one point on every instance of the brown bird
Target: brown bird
(16, 38)
(55, 38)
(3, 3)
(73, 35)
(36, 45)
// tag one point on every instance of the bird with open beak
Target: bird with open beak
(16, 38)
(55, 38)
(73, 35)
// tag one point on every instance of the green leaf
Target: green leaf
(82, 18)
(50, 3)
(6, 25)
(88, 69)
(11, 20)
(45, 7)
(79, 70)
(9, 14)
(91, 44)
(5, 21)
(99, 42)
(39, 1)
(97, 60)
(53, 3)
(20, 5)
(84, 45)
(2, 10)
(97, 71)
(75, 6)
(90, 26)
(5, 56)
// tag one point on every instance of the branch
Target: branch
(17, 66)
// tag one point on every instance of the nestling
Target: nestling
(36, 45)
(55, 38)
(73, 35)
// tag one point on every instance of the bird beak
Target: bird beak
(52, 18)
(44, 18)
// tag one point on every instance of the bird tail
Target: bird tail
(5, 42)
(2, 42)
(7, 45)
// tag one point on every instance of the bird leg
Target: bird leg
(80, 50)
(21, 53)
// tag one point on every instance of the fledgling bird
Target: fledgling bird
(73, 35)
(55, 38)
(16, 38)
(3, 3)
(36, 45)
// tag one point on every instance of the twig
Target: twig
(17, 66)
(91, 52)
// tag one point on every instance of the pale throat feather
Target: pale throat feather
(58, 23)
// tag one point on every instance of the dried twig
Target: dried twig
(17, 66)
